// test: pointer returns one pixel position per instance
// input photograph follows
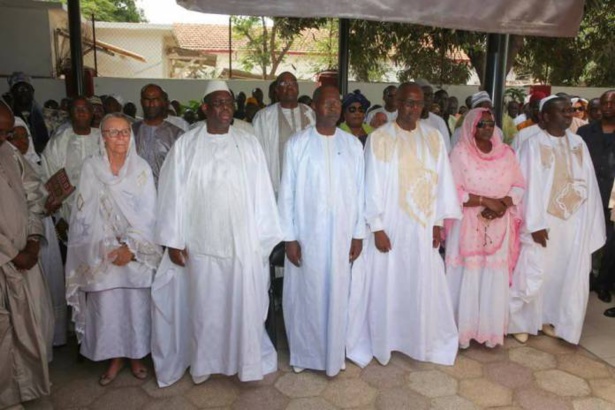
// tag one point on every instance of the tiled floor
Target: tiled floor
(599, 331)
(543, 374)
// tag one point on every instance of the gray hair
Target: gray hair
(115, 115)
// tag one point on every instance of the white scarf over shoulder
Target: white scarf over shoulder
(110, 210)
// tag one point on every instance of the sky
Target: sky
(168, 12)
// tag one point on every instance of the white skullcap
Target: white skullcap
(216, 85)
(423, 83)
(117, 98)
(544, 101)
(480, 97)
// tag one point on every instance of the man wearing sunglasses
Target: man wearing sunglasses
(275, 124)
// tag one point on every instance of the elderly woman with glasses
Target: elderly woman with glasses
(354, 107)
(482, 247)
(111, 252)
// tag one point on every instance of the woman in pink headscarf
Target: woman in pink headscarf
(482, 247)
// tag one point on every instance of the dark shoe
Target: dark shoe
(604, 295)
(610, 312)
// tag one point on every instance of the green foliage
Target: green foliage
(418, 51)
(112, 10)
(268, 40)
(588, 59)
(515, 94)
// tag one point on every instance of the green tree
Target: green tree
(112, 10)
(589, 58)
(268, 40)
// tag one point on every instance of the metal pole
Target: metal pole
(76, 53)
(343, 57)
(94, 41)
(230, 47)
(495, 72)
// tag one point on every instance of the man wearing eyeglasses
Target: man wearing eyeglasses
(409, 191)
(154, 136)
(275, 124)
(218, 219)
(68, 150)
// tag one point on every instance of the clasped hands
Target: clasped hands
(495, 207)
(293, 251)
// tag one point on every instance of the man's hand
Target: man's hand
(356, 246)
(383, 244)
(293, 252)
(437, 236)
(51, 206)
(541, 237)
(121, 256)
(178, 256)
(24, 261)
(62, 230)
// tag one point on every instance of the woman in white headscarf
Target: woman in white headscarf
(50, 257)
(111, 252)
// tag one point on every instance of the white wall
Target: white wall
(148, 43)
(28, 47)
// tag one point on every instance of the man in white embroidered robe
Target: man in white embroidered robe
(217, 216)
(563, 225)
(321, 209)
(26, 312)
(401, 300)
(275, 124)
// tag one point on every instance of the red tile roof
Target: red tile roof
(215, 37)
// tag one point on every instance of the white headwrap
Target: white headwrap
(110, 210)
(31, 156)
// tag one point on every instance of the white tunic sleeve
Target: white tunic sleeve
(374, 189)
(533, 207)
(286, 195)
(170, 209)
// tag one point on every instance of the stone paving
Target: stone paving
(543, 374)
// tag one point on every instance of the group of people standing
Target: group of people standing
(169, 231)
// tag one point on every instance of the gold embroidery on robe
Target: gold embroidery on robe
(567, 193)
(577, 152)
(383, 146)
(416, 182)
(546, 155)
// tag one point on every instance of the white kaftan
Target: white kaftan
(216, 201)
(69, 150)
(523, 135)
(273, 130)
(321, 206)
(438, 123)
(404, 299)
(550, 284)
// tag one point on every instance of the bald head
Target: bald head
(6, 121)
